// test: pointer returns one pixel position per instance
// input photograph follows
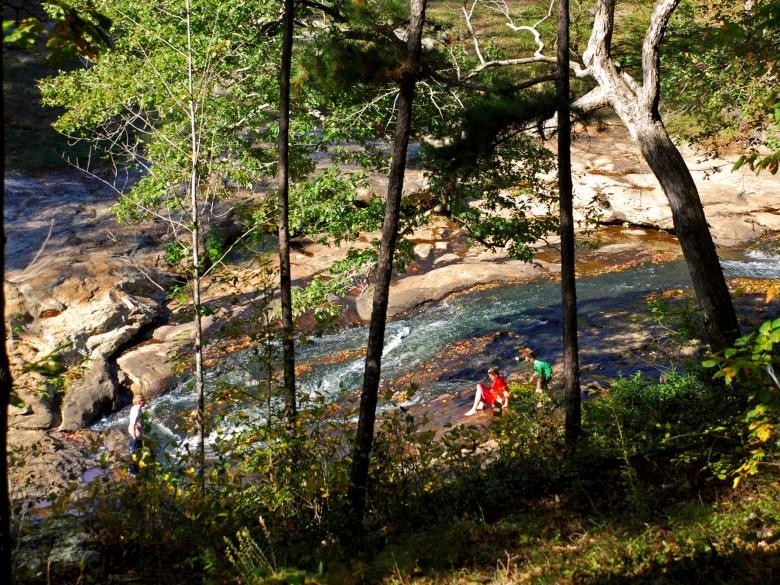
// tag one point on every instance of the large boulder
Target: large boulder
(43, 463)
(96, 329)
(613, 182)
(89, 397)
(59, 551)
(148, 369)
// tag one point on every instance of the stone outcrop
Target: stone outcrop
(613, 180)
(43, 463)
(79, 288)
(90, 396)
(150, 368)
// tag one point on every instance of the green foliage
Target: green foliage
(362, 51)
(719, 74)
(489, 174)
(175, 253)
(214, 245)
(321, 297)
(753, 363)
(325, 204)
(769, 162)
(659, 428)
(69, 29)
(649, 410)
(131, 104)
(22, 33)
(275, 507)
(676, 311)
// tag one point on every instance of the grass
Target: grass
(732, 539)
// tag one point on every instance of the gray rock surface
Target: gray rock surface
(43, 463)
(89, 396)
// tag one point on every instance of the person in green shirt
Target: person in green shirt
(542, 371)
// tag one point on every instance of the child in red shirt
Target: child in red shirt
(497, 392)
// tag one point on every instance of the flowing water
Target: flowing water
(527, 315)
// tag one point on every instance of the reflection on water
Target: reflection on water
(525, 314)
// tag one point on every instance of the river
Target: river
(509, 316)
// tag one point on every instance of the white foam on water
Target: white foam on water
(756, 264)
(396, 339)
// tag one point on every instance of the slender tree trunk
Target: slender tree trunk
(568, 281)
(285, 279)
(637, 106)
(196, 299)
(5, 400)
(376, 336)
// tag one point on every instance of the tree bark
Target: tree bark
(285, 278)
(6, 387)
(568, 281)
(368, 398)
(692, 231)
(637, 107)
(200, 388)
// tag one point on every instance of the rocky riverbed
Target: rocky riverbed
(87, 303)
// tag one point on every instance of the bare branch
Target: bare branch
(467, 14)
(538, 57)
(649, 94)
(43, 246)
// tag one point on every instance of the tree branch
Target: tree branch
(329, 10)
(467, 14)
(649, 94)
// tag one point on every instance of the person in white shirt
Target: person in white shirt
(136, 432)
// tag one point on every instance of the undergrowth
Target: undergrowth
(646, 497)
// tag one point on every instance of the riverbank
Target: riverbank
(89, 295)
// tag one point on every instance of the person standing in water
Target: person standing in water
(498, 392)
(542, 371)
(136, 431)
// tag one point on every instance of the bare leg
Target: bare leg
(477, 401)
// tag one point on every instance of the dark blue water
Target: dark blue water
(527, 315)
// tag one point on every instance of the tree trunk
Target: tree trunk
(568, 281)
(6, 387)
(691, 229)
(200, 387)
(368, 398)
(637, 107)
(285, 278)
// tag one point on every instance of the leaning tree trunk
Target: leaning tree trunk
(365, 432)
(571, 363)
(637, 106)
(691, 229)
(285, 277)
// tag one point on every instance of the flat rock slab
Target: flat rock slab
(412, 291)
